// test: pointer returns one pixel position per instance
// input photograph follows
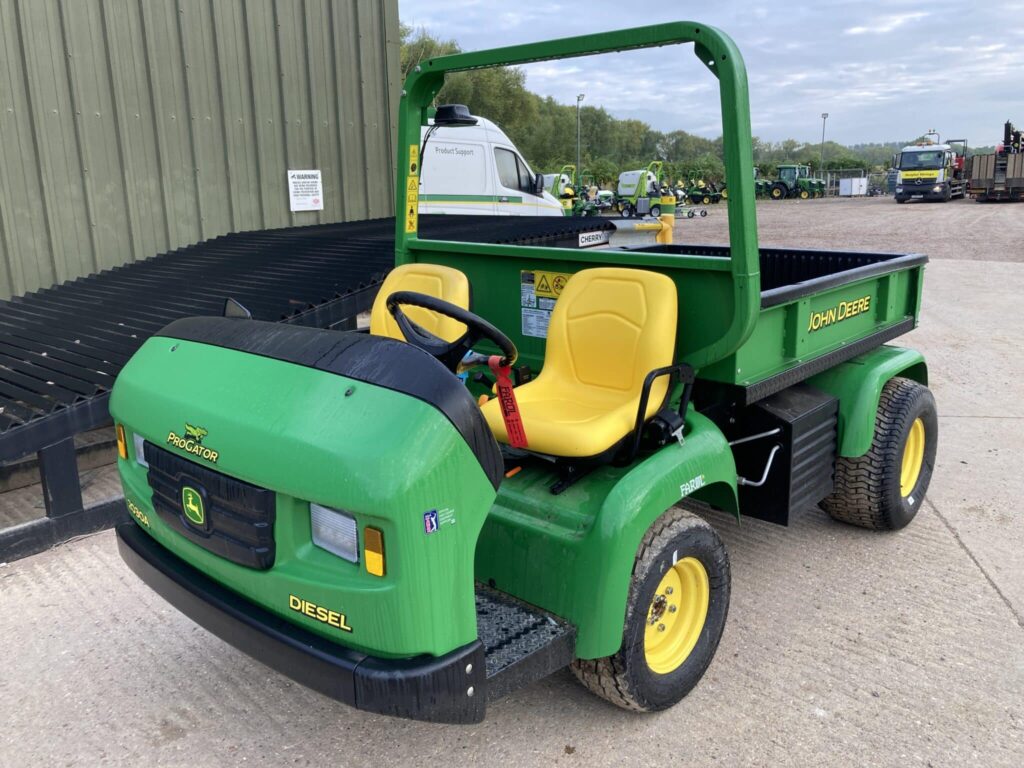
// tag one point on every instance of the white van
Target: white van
(476, 169)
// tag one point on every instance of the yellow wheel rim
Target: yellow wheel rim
(913, 458)
(676, 615)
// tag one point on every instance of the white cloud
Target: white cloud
(884, 24)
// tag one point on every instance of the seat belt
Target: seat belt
(507, 402)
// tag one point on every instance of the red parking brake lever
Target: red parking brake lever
(507, 402)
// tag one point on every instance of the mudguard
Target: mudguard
(573, 554)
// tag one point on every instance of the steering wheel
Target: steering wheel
(449, 353)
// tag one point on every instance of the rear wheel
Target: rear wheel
(656, 211)
(884, 488)
(706, 200)
(804, 194)
(703, 213)
(778, 192)
(690, 214)
(677, 606)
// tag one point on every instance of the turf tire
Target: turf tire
(867, 491)
(625, 679)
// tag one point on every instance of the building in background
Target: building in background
(132, 127)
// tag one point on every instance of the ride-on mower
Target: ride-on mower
(354, 511)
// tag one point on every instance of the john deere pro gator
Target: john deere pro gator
(486, 486)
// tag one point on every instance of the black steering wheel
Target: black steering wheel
(450, 353)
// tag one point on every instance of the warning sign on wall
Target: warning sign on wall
(305, 191)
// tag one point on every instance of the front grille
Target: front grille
(237, 520)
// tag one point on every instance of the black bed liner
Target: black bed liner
(792, 273)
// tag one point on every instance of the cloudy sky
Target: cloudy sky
(884, 70)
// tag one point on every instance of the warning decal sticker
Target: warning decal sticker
(412, 203)
(538, 291)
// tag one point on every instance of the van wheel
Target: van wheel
(883, 489)
(675, 614)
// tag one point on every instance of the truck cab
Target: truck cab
(472, 167)
(932, 172)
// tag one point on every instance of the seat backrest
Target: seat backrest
(432, 279)
(611, 327)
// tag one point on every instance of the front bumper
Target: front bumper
(923, 191)
(445, 689)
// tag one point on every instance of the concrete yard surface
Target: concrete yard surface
(843, 646)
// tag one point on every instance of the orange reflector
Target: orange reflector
(122, 445)
(513, 472)
(373, 551)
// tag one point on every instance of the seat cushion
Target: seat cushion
(610, 328)
(435, 280)
(563, 427)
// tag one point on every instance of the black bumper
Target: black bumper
(923, 192)
(446, 689)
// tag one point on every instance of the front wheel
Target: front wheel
(703, 213)
(675, 614)
(656, 211)
(884, 488)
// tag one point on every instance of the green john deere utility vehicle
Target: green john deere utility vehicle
(353, 511)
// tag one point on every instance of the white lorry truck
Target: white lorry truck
(469, 166)
(930, 172)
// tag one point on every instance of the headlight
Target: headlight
(140, 450)
(937, 188)
(335, 531)
(899, 189)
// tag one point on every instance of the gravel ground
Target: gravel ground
(959, 229)
(843, 647)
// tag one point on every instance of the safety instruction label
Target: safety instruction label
(538, 291)
(414, 159)
(412, 203)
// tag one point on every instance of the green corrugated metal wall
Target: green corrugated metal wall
(130, 127)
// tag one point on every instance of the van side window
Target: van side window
(512, 171)
(508, 173)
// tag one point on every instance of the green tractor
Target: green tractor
(796, 181)
(762, 186)
(502, 477)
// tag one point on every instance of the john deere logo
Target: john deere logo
(192, 442)
(192, 505)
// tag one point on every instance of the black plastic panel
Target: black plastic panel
(239, 516)
(522, 644)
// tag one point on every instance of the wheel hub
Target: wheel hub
(913, 458)
(676, 615)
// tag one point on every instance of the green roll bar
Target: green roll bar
(714, 49)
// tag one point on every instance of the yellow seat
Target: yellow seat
(432, 279)
(609, 329)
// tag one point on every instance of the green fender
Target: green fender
(572, 554)
(858, 384)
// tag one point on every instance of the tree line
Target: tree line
(545, 131)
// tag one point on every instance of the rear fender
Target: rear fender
(857, 384)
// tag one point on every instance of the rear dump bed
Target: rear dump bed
(818, 308)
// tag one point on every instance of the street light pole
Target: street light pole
(579, 170)
(821, 160)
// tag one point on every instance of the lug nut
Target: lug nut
(661, 627)
(668, 590)
(671, 609)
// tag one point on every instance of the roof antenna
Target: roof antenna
(233, 309)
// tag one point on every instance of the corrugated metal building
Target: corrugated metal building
(131, 127)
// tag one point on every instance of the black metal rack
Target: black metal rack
(61, 348)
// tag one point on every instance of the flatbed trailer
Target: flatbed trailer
(487, 486)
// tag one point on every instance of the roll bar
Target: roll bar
(714, 49)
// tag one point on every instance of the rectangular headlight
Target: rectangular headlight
(335, 531)
(140, 450)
